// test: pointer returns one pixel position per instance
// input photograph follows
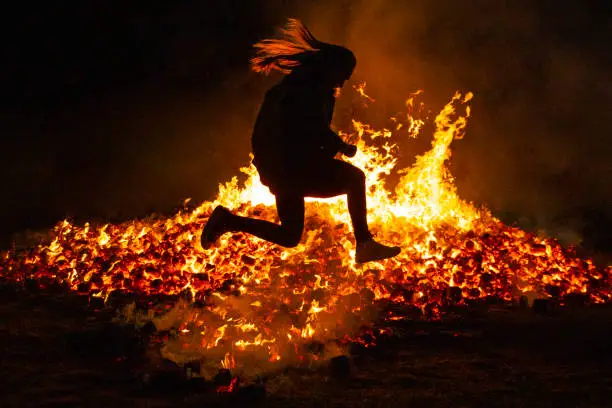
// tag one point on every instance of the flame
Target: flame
(254, 301)
(228, 362)
(360, 88)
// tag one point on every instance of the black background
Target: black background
(112, 110)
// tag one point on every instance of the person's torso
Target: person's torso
(281, 122)
(267, 132)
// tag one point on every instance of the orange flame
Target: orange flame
(228, 362)
(360, 88)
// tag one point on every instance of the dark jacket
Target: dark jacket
(292, 132)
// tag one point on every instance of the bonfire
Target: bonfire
(250, 306)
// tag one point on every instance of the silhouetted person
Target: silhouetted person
(294, 147)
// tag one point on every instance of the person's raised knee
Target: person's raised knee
(358, 176)
(292, 239)
(292, 242)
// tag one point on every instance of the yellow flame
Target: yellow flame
(228, 361)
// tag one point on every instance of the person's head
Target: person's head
(299, 54)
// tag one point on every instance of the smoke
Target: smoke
(537, 146)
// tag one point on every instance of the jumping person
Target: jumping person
(294, 147)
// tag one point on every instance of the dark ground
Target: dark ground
(54, 356)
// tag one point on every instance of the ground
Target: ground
(58, 351)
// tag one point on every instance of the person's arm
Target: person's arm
(331, 142)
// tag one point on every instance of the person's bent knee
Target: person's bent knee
(291, 239)
(358, 176)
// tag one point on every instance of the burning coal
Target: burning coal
(248, 304)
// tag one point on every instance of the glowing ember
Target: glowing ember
(254, 304)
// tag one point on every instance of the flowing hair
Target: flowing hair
(295, 45)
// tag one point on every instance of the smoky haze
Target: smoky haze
(113, 113)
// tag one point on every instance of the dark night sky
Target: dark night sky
(115, 109)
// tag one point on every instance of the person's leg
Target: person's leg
(328, 179)
(357, 206)
(338, 178)
(288, 233)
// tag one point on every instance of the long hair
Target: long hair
(295, 45)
